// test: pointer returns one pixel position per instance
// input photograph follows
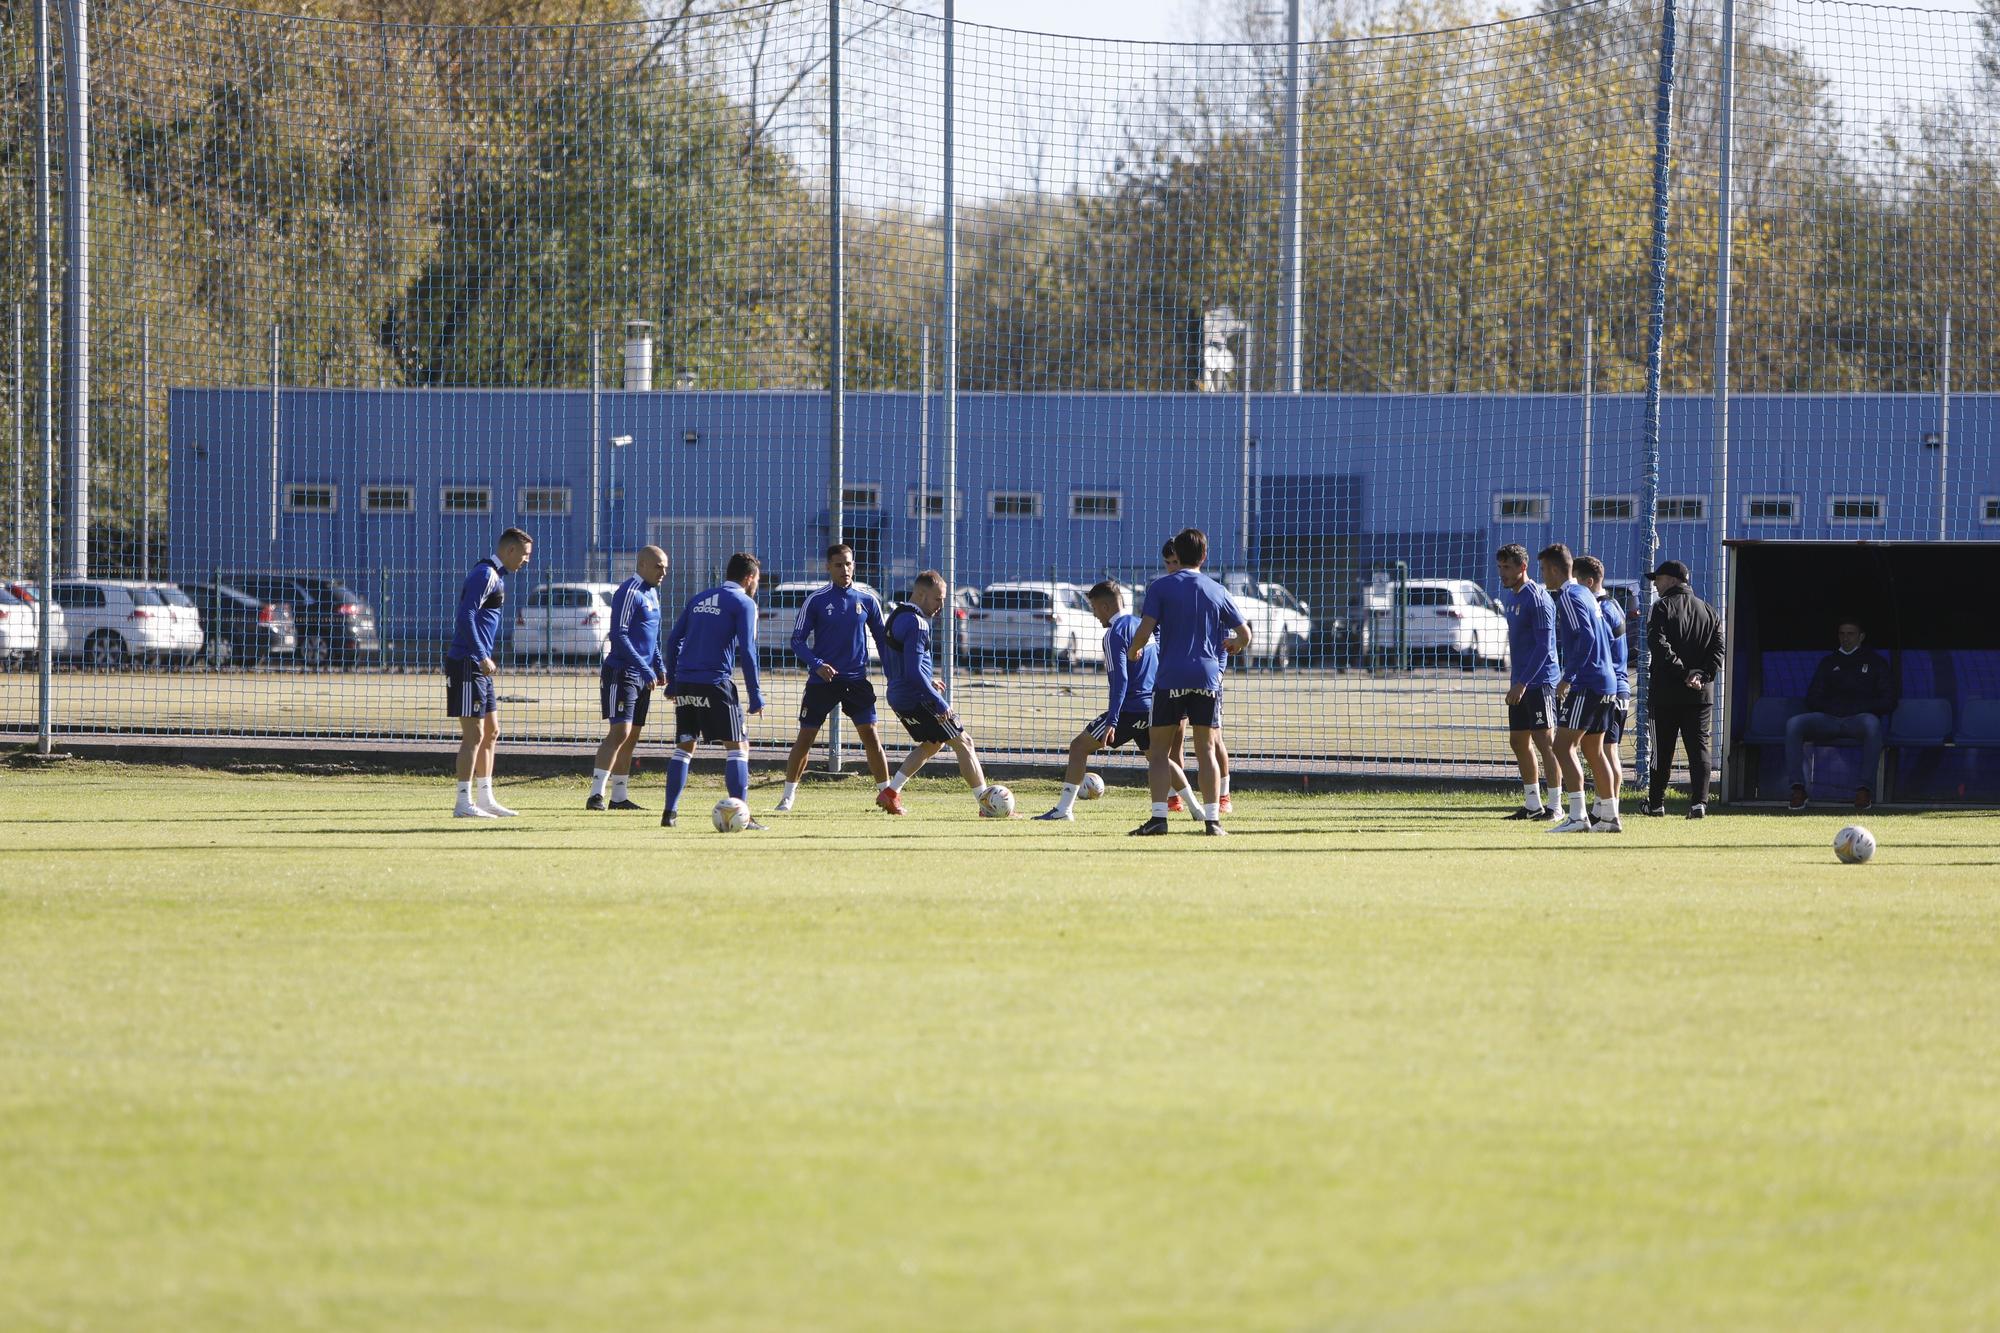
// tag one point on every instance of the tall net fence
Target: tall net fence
(365, 292)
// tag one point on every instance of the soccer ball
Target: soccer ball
(1092, 788)
(997, 803)
(1854, 844)
(730, 815)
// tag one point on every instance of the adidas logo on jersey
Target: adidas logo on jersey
(708, 606)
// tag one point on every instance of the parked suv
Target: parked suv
(565, 620)
(1280, 624)
(335, 625)
(240, 629)
(1446, 618)
(964, 611)
(20, 626)
(1038, 622)
(778, 610)
(114, 621)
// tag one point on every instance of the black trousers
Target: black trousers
(1690, 716)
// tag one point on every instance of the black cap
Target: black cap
(1674, 567)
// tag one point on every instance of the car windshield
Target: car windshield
(146, 597)
(1015, 599)
(786, 599)
(175, 597)
(8, 598)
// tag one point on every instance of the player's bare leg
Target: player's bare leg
(1160, 769)
(1571, 769)
(795, 765)
(1080, 750)
(968, 764)
(1207, 753)
(1605, 775)
(871, 746)
(890, 797)
(1528, 747)
(612, 752)
(1222, 768)
(482, 783)
(471, 731)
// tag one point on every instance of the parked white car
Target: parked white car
(21, 626)
(778, 610)
(115, 621)
(1445, 618)
(1280, 624)
(565, 621)
(1038, 622)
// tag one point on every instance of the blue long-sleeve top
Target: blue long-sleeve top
(1531, 637)
(1621, 647)
(1586, 641)
(833, 628)
(701, 647)
(1130, 683)
(476, 624)
(635, 630)
(906, 661)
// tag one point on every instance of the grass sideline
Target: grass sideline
(301, 1052)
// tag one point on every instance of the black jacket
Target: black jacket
(1683, 636)
(1851, 683)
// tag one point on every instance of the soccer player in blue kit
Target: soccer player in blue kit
(469, 669)
(1585, 697)
(830, 638)
(1128, 714)
(633, 668)
(1191, 612)
(700, 657)
(1536, 671)
(1590, 573)
(917, 696)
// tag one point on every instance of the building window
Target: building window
(1854, 508)
(1614, 508)
(465, 500)
(1520, 509)
(1106, 505)
(1014, 504)
(930, 503)
(388, 499)
(1771, 509)
(1989, 509)
(1682, 509)
(861, 497)
(311, 498)
(542, 502)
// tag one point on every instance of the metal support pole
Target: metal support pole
(45, 294)
(836, 319)
(1656, 333)
(146, 447)
(1725, 227)
(1291, 335)
(19, 529)
(276, 331)
(1944, 424)
(76, 282)
(1589, 417)
(596, 451)
(948, 641)
(923, 444)
(1243, 519)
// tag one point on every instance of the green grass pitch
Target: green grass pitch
(302, 1053)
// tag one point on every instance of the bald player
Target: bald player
(633, 669)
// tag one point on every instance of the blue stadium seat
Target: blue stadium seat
(1979, 724)
(1768, 717)
(1920, 722)
(1916, 675)
(1976, 672)
(1790, 671)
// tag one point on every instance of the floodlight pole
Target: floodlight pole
(836, 343)
(1656, 332)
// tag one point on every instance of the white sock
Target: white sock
(1225, 785)
(1576, 806)
(1556, 799)
(1531, 795)
(897, 779)
(979, 793)
(1212, 812)
(465, 793)
(486, 788)
(1608, 808)
(1159, 809)
(791, 790)
(1191, 801)
(598, 777)
(1067, 799)
(619, 791)
(886, 786)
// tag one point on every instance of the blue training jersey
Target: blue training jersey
(1131, 683)
(1586, 641)
(701, 647)
(834, 627)
(1531, 637)
(1193, 615)
(476, 624)
(906, 661)
(635, 630)
(1621, 647)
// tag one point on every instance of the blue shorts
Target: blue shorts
(1621, 716)
(1586, 710)
(925, 724)
(708, 713)
(1200, 708)
(468, 691)
(624, 696)
(1535, 712)
(1113, 732)
(853, 696)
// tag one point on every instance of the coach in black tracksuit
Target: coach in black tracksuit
(1684, 639)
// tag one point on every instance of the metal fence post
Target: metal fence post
(1589, 414)
(44, 721)
(949, 406)
(76, 281)
(146, 447)
(1944, 423)
(836, 317)
(1725, 225)
(19, 529)
(596, 451)
(1656, 332)
(923, 444)
(1291, 335)
(275, 487)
